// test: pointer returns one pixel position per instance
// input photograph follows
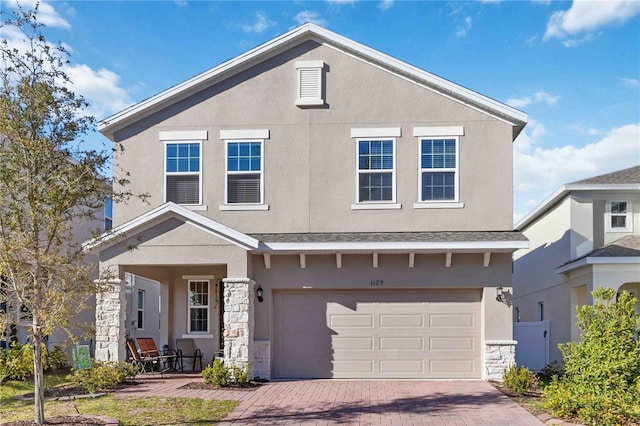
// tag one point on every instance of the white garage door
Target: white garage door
(377, 334)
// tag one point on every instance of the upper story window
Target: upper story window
(376, 170)
(309, 90)
(183, 166)
(438, 169)
(244, 172)
(182, 172)
(244, 169)
(618, 216)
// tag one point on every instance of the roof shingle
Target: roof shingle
(351, 237)
(630, 175)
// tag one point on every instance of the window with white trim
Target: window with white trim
(140, 321)
(244, 176)
(439, 169)
(198, 306)
(183, 183)
(618, 216)
(309, 90)
(376, 170)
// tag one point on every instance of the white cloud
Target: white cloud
(261, 24)
(538, 97)
(586, 17)
(631, 82)
(385, 4)
(341, 2)
(47, 15)
(309, 16)
(180, 3)
(99, 88)
(540, 171)
(464, 28)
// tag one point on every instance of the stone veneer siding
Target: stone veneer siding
(498, 355)
(111, 305)
(239, 322)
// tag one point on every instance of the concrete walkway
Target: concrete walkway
(354, 402)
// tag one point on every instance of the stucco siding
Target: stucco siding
(310, 157)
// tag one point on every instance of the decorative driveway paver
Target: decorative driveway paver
(356, 402)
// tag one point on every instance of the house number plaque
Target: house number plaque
(377, 282)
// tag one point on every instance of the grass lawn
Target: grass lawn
(128, 410)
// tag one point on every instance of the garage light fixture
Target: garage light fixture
(260, 294)
(502, 295)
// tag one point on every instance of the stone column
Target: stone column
(238, 322)
(111, 305)
(498, 355)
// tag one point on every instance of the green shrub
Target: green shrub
(16, 363)
(57, 358)
(519, 380)
(602, 371)
(217, 374)
(240, 375)
(102, 376)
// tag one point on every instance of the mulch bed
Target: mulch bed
(528, 401)
(70, 390)
(249, 387)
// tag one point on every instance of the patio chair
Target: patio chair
(141, 362)
(186, 348)
(149, 349)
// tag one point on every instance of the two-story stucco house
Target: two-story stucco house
(320, 210)
(583, 236)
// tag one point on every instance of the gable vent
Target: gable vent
(309, 82)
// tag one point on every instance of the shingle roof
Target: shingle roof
(628, 246)
(630, 175)
(356, 237)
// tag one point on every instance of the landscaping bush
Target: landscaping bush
(519, 380)
(217, 374)
(240, 375)
(57, 358)
(103, 376)
(16, 363)
(602, 372)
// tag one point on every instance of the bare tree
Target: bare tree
(50, 183)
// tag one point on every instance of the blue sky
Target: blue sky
(573, 67)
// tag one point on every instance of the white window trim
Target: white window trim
(139, 309)
(167, 142)
(306, 65)
(608, 215)
(243, 206)
(375, 205)
(208, 306)
(439, 204)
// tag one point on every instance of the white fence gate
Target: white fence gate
(532, 349)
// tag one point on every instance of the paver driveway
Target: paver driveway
(357, 402)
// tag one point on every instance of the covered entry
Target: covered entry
(377, 334)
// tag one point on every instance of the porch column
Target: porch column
(111, 305)
(238, 321)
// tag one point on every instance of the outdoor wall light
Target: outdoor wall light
(501, 295)
(260, 294)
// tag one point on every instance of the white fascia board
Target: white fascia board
(154, 216)
(627, 260)
(562, 192)
(180, 91)
(480, 246)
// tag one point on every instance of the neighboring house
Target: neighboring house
(319, 209)
(143, 307)
(585, 235)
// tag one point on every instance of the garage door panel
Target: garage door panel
(377, 334)
(451, 344)
(351, 321)
(401, 321)
(401, 343)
